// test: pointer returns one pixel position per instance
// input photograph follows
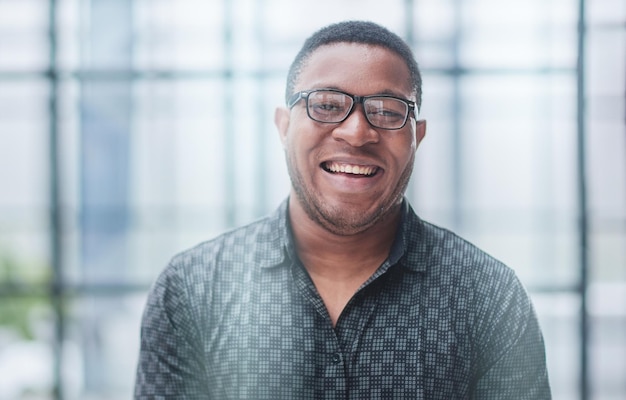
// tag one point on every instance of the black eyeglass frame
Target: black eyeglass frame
(304, 94)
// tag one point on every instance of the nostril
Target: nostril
(356, 131)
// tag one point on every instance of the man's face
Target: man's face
(347, 176)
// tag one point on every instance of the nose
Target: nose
(356, 129)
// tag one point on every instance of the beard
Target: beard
(344, 220)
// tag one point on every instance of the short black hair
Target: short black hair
(363, 32)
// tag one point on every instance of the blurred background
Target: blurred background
(131, 130)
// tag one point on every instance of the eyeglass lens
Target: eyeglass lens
(382, 112)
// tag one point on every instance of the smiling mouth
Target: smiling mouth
(351, 169)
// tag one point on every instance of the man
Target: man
(344, 293)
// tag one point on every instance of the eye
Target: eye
(386, 110)
(385, 113)
(328, 106)
(327, 109)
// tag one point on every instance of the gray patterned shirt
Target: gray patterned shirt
(238, 317)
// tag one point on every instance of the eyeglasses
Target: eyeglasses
(334, 106)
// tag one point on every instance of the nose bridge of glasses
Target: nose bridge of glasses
(369, 110)
(356, 128)
(354, 102)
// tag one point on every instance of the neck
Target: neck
(341, 257)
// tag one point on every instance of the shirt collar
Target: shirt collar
(277, 244)
(274, 238)
(409, 249)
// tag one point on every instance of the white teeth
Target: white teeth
(351, 169)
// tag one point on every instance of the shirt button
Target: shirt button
(336, 358)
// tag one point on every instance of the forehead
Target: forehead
(357, 68)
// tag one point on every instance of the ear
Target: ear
(420, 131)
(281, 120)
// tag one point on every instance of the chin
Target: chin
(352, 221)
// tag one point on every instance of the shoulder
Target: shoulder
(257, 244)
(439, 250)
(229, 256)
(493, 290)
(454, 265)
(487, 291)
(452, 249)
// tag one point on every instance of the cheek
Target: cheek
(404, 152)
(302, 141)
(298, 150)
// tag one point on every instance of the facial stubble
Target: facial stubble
(341, 220)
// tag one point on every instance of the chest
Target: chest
(274, 339)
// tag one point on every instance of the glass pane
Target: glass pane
(26, 352)
(559, 318)
(606, 13)
(517, 157)
(102, 348)
(24, 35)
(530, 34)
(607, 302)
(24, 176)
(179, 35)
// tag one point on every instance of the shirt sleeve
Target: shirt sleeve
(511, 351)
(170, 362)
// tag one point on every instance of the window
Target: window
(122, 143)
